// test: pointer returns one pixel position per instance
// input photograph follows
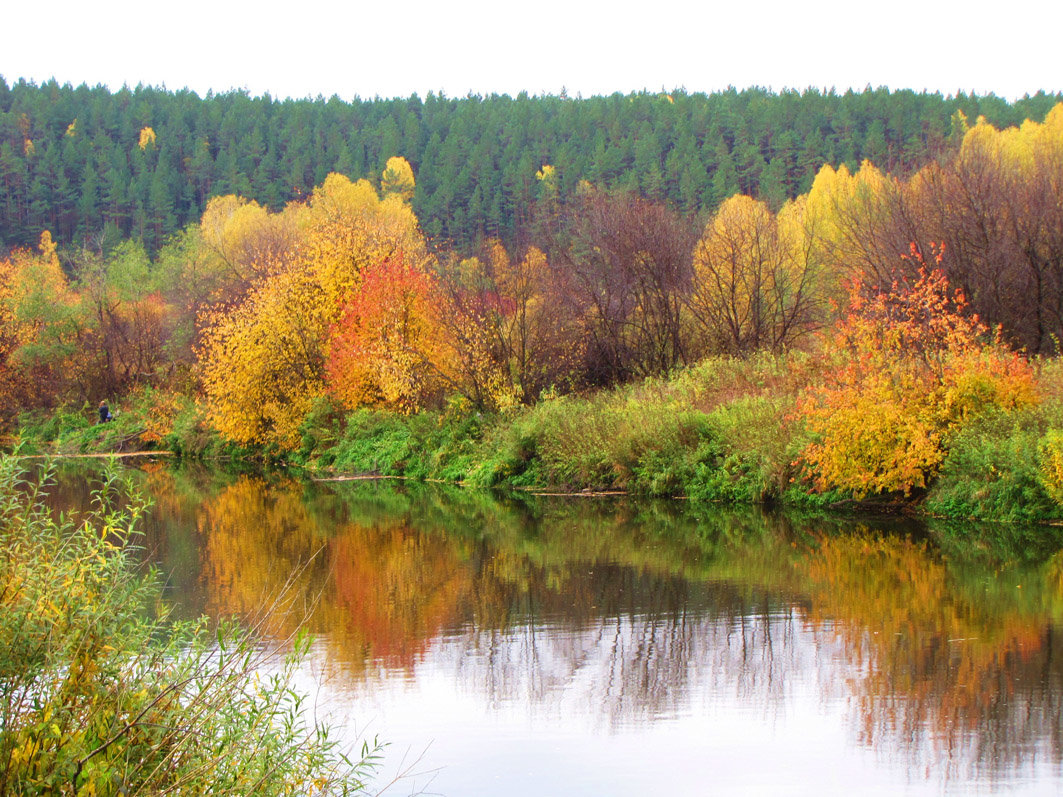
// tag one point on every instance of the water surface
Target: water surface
(578, 646)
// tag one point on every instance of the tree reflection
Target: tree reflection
(956, 675)
(629, 612)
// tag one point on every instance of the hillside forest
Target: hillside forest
(256, 266)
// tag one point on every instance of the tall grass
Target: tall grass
(100, 694)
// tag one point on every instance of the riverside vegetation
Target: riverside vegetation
(878, 339)
(101, 693)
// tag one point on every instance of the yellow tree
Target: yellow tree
(346, 227)
(397, 179)
(263, 360)
(41, 325)
(755, 277)
(261, 364)
(245, 242)
(856, 226)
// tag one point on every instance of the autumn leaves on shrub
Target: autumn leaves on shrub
(911, 370)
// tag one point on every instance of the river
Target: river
(608, 646)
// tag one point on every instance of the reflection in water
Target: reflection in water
(625, 614)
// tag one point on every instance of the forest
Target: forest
(872, 277)
(142, 163)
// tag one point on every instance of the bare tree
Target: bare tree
(627, 268)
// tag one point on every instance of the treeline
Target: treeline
(910, 300)
(342, 294)
(87, 163)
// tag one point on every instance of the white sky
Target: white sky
(305, 48)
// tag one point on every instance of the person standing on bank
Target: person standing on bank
(105, 412)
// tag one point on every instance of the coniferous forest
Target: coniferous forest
(142, 163)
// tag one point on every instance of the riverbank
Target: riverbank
(727, 430)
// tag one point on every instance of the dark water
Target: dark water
(553, 646)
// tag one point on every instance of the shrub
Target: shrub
(915, 371)
(990, 471)
(99, 694)
(758, 442)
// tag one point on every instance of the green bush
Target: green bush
(428, 445)
(991, 470)
(758, 447)
(99, 694)
(190, 434)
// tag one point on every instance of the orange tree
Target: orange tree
(912, 369)
(389, 348)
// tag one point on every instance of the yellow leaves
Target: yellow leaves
(915, 371)
(845, 210)
(755, 282)
(1050, 461)
(146, 138)
(346, 227)
(263, 360)
(397, 179)
(546, 174)
(261, 363)
(47, 248)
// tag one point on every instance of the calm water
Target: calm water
(609, 647)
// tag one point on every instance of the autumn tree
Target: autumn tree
(390, 348)
(262, 363)
(859, 226)
(757, 278)
(40, 329)
(263, 360)
(995, 203)
(126, 322)
(515, 335)
(244, 242)
(913, 368)
(397, 179)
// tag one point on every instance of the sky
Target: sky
(307, 48)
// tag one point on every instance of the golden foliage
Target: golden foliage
(261, 363)
(397, 179)
(912, 369)
(39, 328)
(1050, 459)
(246, 242)
(263, 360)
(756, 280)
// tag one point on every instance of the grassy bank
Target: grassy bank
(101, 694)
(726, 430)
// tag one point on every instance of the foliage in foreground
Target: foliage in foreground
(99, 694)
